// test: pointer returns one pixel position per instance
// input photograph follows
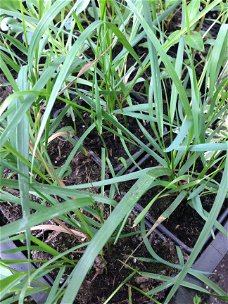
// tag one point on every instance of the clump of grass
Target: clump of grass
(60, 52)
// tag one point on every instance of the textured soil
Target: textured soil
(108, 272)
(220, 277)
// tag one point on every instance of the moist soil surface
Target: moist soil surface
(103, 281)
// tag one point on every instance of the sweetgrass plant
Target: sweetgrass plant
(57, 52)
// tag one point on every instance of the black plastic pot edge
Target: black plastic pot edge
(39, 297)
(162, 230)
(207, 262)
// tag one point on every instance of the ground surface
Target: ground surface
(220, 277)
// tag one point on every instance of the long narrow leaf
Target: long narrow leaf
(101, 237)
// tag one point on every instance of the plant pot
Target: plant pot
(39, 297)
(207, 262)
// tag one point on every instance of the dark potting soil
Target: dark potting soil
(184, 222)
(94, 142)
(114, 273)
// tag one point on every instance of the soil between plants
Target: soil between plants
(106, 275)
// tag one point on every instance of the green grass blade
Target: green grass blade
(42, 26)
(220, 197)
(102, 236)
(183, 132)
(155, 84)
(22, 145)
(46, 75)
(44, 215)
(54, 289)
(63, 73)
(169, 66)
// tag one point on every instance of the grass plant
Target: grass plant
(59, 52)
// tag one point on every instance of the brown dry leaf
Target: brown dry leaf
(59, 229)
(64, 226)
(156, 224)
(58, 134)
(88, 65)
(85, 68)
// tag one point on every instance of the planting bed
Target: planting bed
(114, 150)
(106, 275)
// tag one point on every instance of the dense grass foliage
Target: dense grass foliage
(111, 69)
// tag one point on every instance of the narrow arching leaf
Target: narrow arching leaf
(43, 215)
(101, 237)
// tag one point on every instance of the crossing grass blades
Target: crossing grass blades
(150, 75)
